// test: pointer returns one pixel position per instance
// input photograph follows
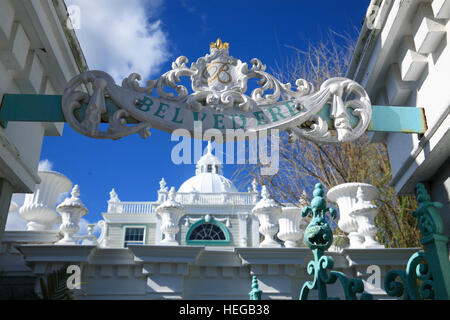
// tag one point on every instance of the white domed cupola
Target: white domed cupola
(209, 163)
(208, 176)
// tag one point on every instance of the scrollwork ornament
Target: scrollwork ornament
(219, 83)
(427, 274)
(102, 85)
(319, 237)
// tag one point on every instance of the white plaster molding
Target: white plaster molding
(441, 9)
(397, 90)
(428, 32)
(39, 207)
(213, 93)
(102, 240)
(412, 64)
(35, 254)
(277, 256)
(35, 237)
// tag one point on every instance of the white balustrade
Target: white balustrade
(39, 207)
(140, 207)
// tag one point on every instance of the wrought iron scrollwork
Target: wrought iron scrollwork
(319, 237)
(427, 274)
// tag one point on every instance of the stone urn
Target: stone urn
(39, 208)
(365, 212)
(268, 212)
(289, 223)
(71, 211)
(345, 196)
(170, 212)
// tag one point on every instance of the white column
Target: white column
(267, 211)
(71, 210)
(289, 222)
(243, 236)
(39, 207)
(170, 212)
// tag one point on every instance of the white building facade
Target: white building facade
(214, 212)
(206, 239)
(203, 241)
(403, 59)
(38, 55)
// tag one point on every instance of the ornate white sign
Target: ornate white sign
(218, 100)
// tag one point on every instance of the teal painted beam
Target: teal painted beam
(47, 108)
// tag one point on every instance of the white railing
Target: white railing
(136, 207)
(214, 198)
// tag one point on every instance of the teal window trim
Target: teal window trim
(124, 228)
(208, 242)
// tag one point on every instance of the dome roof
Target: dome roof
(208, 176)
(208, 183)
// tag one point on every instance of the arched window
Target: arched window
(208, 233)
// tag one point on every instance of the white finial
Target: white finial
(209, 148)
(255, 185)
(113, 195)
(172, 194)
(360, 195)
(265, 192)
(75, 192)
(163, 185)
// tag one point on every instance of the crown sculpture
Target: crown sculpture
(219, 99)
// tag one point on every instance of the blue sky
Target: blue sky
(121, 37)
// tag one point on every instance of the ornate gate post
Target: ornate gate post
(427, 275)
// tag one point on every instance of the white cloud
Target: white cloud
(122, 37)
(45, 165)
(15, 222)
(83, 228)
